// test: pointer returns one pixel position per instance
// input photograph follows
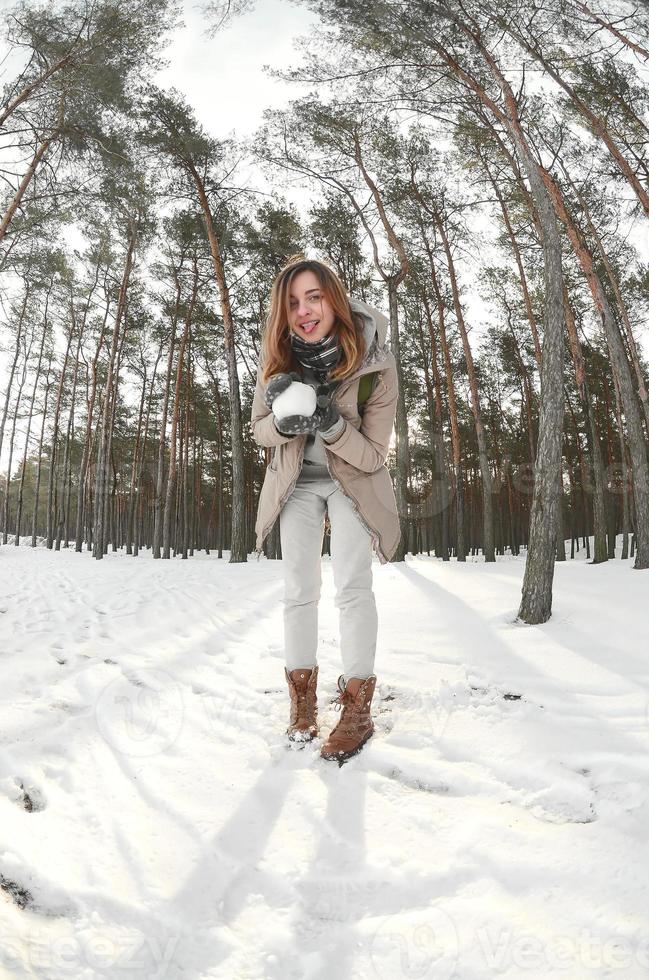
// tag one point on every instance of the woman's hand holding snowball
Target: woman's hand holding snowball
(278, 384)
(326, 409)
(294, 407)
(299, 408)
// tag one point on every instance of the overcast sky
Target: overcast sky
(223, 80)
(222, 77)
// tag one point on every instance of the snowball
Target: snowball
(298, 399)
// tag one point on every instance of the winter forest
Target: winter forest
(452, 148)
(480, 173)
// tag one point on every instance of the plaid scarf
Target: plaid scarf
(321, 356)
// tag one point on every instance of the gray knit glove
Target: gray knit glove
(331, 422)
(277, 384)
(327, 411)
(293, 425)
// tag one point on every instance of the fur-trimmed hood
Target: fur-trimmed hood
(375, 330)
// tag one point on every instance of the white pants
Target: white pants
(301, 531)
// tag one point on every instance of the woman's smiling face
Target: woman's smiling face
(311, 316)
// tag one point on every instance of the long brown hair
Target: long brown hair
(276, 353)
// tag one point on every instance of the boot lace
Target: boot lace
(302, 707)
(346, 701)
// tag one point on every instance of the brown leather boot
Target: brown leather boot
(355, 725)
(302, 684)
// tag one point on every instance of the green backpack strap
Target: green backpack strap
(365, 386)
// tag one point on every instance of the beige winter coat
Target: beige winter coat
(356, 459)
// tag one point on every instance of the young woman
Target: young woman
(332, 461)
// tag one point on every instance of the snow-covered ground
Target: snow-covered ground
(153, 823)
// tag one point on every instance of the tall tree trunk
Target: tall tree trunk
(392, 281)
(519, 264)
(14, 420)
(456, 445)
(90, 407)
(51, 477)
(527, 389)
(136, 487)
(592, 436)
(105, 434)
(14, 361)
(134, 467)
(238, 549)
(19, 507)
(400, 426)
(615, 31)
(621, 371)
(536, 604)
(456, 449)
(624, 475)
(439, 449)
(29, 90)
(621, 305)
(63, 504)
(487, 501)
(219, 475)
(596, 123)
(39, 468)
(27, 179)
(171, 478)
(159, 482)
(610, 482)
(585, 483)
(113, 506)
(185, 461)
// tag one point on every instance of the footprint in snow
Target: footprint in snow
(71, 709)
(24, 899)
(30, 798)
(19, 895)
(495, 693)
(133, 679)
(414, 782)
(562, 812)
